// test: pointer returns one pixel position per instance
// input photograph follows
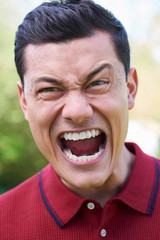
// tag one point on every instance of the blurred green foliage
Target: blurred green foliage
(19, 157)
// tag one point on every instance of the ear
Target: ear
(132, 85)
(22, 99)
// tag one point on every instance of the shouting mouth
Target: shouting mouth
(83, 146)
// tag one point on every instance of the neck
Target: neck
(114, 183)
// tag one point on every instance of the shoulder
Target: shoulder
(18, 197)
(23, 212)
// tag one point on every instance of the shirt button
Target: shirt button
(103, 232)
(90, 205)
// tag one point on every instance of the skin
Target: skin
(77, 98)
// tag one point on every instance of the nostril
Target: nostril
(78, 112)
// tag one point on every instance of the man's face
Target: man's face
(76, 101)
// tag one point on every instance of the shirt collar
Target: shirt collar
(139, 191)
(141, 188)
(60, 201)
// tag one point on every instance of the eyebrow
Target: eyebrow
(99, 69)
(60, 83)
(49, 80)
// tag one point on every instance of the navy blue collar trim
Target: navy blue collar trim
(154, 189)
(48, 205)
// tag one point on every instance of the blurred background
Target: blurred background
(19, 157)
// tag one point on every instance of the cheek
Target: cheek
(40, 122)
(115, 112)
(119, 126)
(43, 113)
(111, 105)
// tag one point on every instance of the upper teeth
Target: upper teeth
(81, 135)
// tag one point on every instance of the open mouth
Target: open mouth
(83, 146)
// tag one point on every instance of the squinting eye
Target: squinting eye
(50, 89)
(98, 82)
(98, 86)
(50, 93)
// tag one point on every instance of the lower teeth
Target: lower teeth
(75, 158)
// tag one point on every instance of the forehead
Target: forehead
(79, 55)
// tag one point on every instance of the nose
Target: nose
(77, 108)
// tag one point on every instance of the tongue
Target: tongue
(83, 147)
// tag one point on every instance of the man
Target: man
(75, 91)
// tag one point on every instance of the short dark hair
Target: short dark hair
(59, 21)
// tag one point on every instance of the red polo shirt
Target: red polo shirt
(44, 208)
